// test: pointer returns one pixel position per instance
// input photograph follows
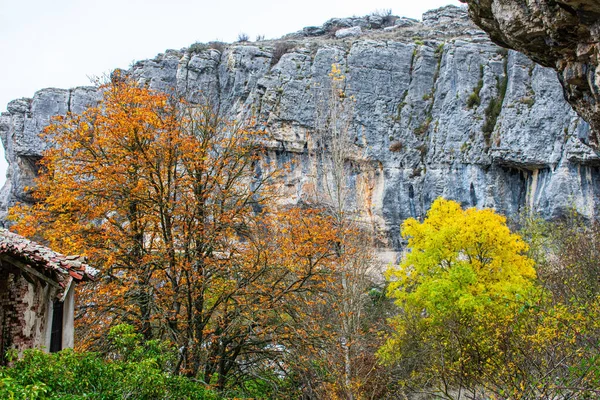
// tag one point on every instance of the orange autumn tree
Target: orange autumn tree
(177, 207)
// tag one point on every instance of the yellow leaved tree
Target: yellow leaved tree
(465, 278)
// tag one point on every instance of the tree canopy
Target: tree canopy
(461, 260)
(463, 278)
(177, 206)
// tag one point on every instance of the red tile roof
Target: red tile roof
(43, 259)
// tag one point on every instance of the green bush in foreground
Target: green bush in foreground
(135, 370)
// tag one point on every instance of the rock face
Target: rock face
(348, 32)
(439, 111)
(561, 34)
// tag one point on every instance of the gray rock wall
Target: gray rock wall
(561, 34)
(412, 85)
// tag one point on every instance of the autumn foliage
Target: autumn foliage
(181, 211)
(177, 206)
(476, 320)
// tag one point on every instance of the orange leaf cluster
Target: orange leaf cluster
(177, 208)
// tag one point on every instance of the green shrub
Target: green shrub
(529, 101)
(494, 109)
(12, 389)
(474, 100)
(133, 370)
(492, 112)
(422, 129)
(198, 48)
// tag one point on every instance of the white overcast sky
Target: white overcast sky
(62, 43)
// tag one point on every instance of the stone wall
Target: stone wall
(24, 310)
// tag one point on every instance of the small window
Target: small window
(57, 327)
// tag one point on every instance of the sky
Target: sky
(65, 43)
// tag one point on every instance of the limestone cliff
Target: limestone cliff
(561, 34)
(440, 111)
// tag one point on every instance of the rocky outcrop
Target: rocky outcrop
(439, 111)
(561, 34)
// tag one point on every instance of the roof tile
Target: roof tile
(43, 258)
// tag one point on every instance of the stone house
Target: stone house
(37, 295)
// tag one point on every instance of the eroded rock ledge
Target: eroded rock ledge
(561, 34)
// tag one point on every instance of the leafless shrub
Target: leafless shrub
(386, 15)
(280, 49)
(219, 46)
(332, 30)
(416, 172)
(396, 146)
(385, 12)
